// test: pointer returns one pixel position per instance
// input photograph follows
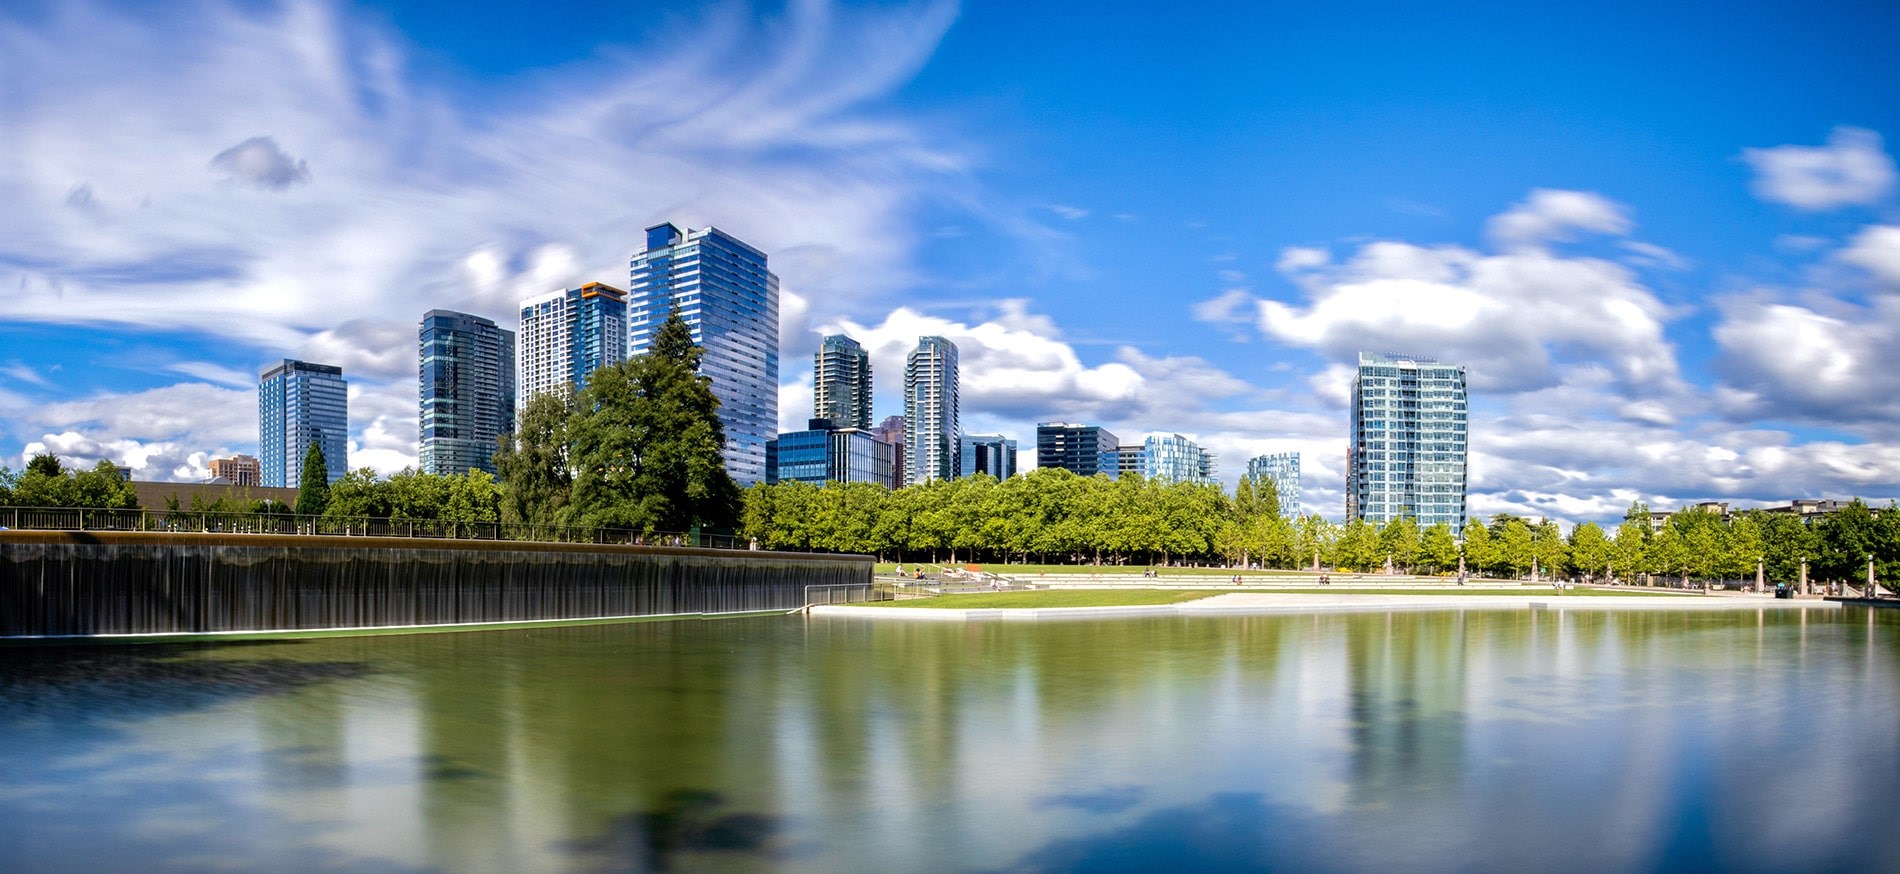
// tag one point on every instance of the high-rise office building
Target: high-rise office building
(299, 403)
(1283, 470)
(1405, 455)
(991, 454)
(465, 379)
(566, 335)
(730, 301)
(1084, 450)
(931, 436)
(1172, 458)
(891, 431)
(238, 470)
(841, 383)
(826, 453)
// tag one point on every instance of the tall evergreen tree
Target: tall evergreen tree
(648, 446)
(533, 464)
(313, 489)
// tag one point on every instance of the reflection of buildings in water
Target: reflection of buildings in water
(1406, 678)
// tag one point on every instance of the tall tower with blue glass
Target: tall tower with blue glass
(299, 403)
(1406, 453)
(466, 384)
(932, 437)
(730, 301)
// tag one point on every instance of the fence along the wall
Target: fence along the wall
(79, 584)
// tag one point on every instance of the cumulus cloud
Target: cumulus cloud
(1550, 215)
(1514, 319)
(260, 163)
(1792, 360)
(1877, 250)
(1853, 168)
(164, 433)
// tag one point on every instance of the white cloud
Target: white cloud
(1515, 319)
(163, 433)
(260, 163)
(1793, 360)
(1068, 212)
(1652, 255)
(1852, 168)
(1550, 215)
(1877, 250)
(397, 191)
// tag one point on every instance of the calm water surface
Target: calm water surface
(1480, 740)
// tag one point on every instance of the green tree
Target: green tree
(1437, 549)
(313, 487)
(1786, 542)
(1399, 540)
(356, 494)
(44, 483)
(1481, 553)
(1512, 537)
(102, 486)
(1359, 546)
(1629, 553)
(1549, 548)
(648, 446)
(1590, 552)
(532, 464)
(1847, 536)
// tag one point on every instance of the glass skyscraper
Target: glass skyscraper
(566, 335)
(1405, 455)
(466, 383)
(730, 300)
(1084, 450)
(992, 454)
(1283, 470)
(1173, 458)
(826, 453)
(932, 441)
(299, 403)
(841, 383)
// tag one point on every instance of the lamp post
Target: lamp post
(1870, 575)
(1758, 574)
(1804, 576)
(1461, 564)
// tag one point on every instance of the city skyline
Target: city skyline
(1654, 303)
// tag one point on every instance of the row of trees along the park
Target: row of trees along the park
(1052, 515)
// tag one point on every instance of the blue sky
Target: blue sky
(1666, 241)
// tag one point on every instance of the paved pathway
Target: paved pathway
(1270, 602)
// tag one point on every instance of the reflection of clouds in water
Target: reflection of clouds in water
(1488, 741)
(1114, 799)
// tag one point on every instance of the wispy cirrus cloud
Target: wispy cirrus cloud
(290, 179)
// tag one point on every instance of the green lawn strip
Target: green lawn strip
(1054, 598)
(1146, 597)
(1132, 570)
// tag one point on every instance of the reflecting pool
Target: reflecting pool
(1506, 740)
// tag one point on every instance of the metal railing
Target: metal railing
(209, 522)
(847, 593)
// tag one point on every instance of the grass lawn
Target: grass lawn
(1146, 597)
(1054, 598)
(1030, 570)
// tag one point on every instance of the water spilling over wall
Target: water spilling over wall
(72, 583)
